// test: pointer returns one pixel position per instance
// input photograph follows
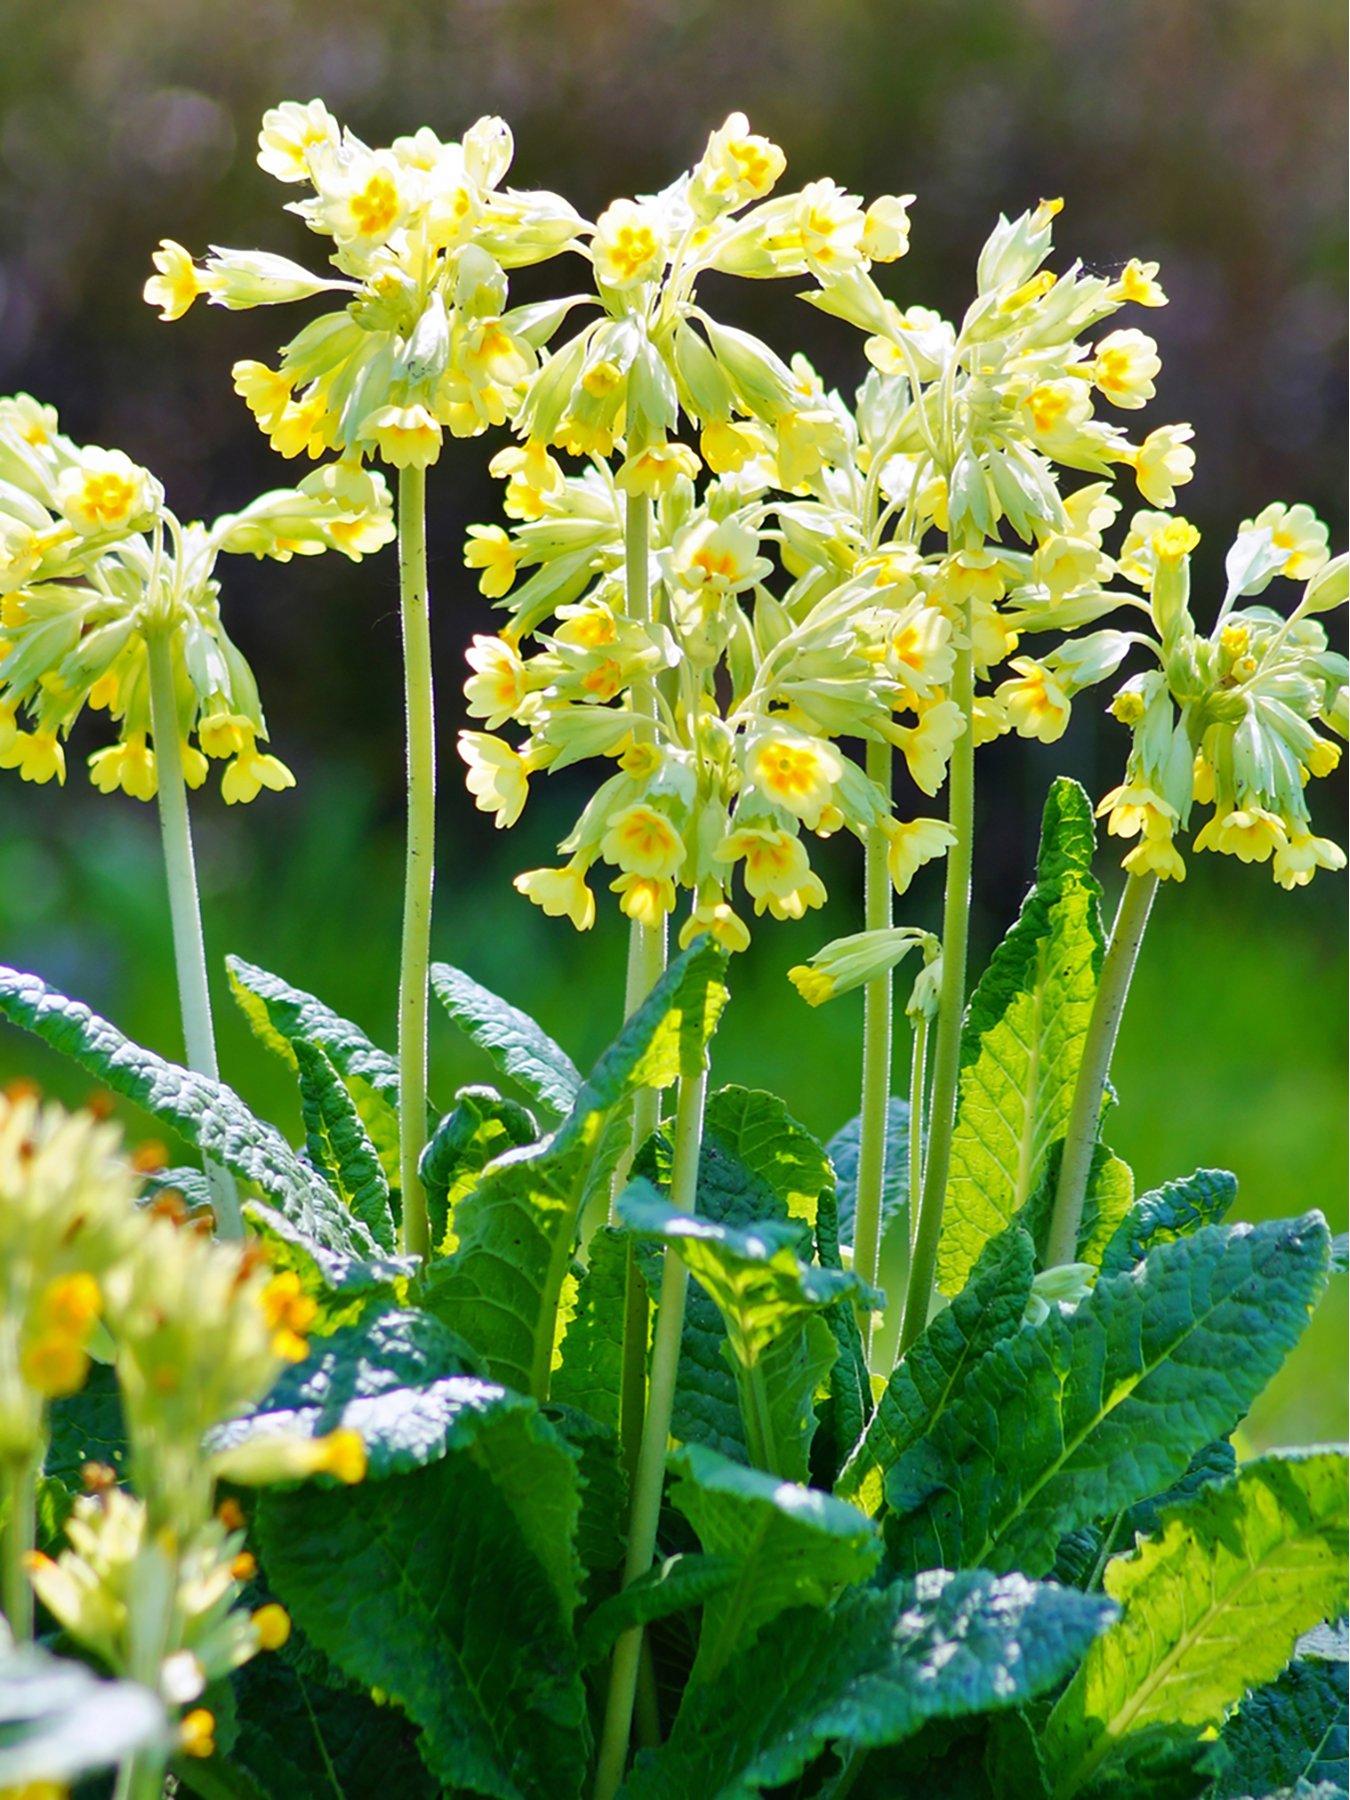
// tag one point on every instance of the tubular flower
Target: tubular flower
(93, 564)
(422, 234)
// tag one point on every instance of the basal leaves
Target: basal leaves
(481, 1127)
(1292, 1731)
(339, 1146)
(1171, 1211)
(517, 1045)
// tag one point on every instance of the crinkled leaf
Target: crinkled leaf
(760, 1137)
(843, 1151)
(675, 1585)
(1210, 1606)
(86, 1426)
(848, 1405)
(339, 1145)
(1069, 1422)
(589, 1375)
(1022, 1040)
(517, 1045)
(867, 1672)
(935, 1368)
(792, 1546)
(602, 1524)
(518, 1226)
(58, 1720)
(481, 1127)
(1174, 1210)
(305, 1214)
(1293, 1730)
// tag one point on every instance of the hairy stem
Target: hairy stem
(1080, 1134)
(419, 868)
(651, 1466)
(876, 1053)
(20, 1485)
(189, 948)
(918, 1055)
(951, 1000)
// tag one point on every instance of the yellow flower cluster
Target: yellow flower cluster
(93, 566)
(1230, 719)
(423, 234)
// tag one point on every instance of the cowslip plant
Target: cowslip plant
(548, 1517)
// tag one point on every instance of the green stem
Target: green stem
(759, 1434)
(951, 999)
(918, 1055)
(140, 1779)
(189, 947)
(419, 868)
(1085, 1109)
(876, 1052)
(20, 1485)
(651, 1467)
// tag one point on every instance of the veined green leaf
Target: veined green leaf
(1171, 1211)
(1211, 1606)
(517, 1045)
(849, 1405)
(338, 1144)
(589, 1375)
(306, 1214)
(791, 1546)
(481, 1127)
(1289, 1734)
(935, 1369)
(1070, 1422)
(283, 1016)
(843, 1150)
(866, 1672)
(675, 1585)
(518, 1226)
(754, 1132)
(59, 1721)
(1022, 1039)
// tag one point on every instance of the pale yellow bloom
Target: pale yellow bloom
(927, 746)
(498, 776)
(1250, 833)
(562, 893)
(1297, 531)
(1163, 463)
(655, 470)
(1133, 807)
(628, 246)
(1298, 859)
(104, 491)
(129, 766)
(642, 841)
(721, 923)
(738, 165)
(728, 444)
(647, 899)
(913, 842)
(1124, 367)
(1037, 705)
(796, 772)
(290, 132)
(1156, 856)
(38, 756)
(409, 437)
(778, 873)
(490, 549)
(496, 688)
(1138, 285)
(178, 281)
(250, 772)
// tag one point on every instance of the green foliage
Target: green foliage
(590, 1370)
(1174, 1210)
(339, 1146)
(673, 1586)
(867, 1672)
(1292, 1731)
(481, 1127)
(1072, 1421)
(58, 1721)
(518, 1046)
(1023, 1038)
(1210, 1606)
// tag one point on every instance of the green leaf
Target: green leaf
(518, 1226)
(517, 1045)
(792, 1546)
(481, 1127)
(306, 1214)
(849, 1404)
(867, 1672)
(602, 1525)
(338, 1144)
(1067, 1423)
(59, 1721)
(1172, 1211)
(1212, 1605)
(86, 1426)
(430, 1586)
(675, 1585)
(283, 1016)
(590, 1373)
(935, 1369)
(1291, 1731)
(1022, 1041)
(769, 1299)
(843, 1150)
(749, 1133)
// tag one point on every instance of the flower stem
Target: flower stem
(951, 999)
(876, 1051)
(1080, 1134)
(20, 1484)
(646, 1505)
(189, 948)
(918, 1055)
(419, 867)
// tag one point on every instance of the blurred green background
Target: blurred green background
(1206, 134)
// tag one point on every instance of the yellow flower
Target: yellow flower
(1037, 705)
(1124, 367)
(778, 873)
(496, 688)
(196, 1734)
(1138, 285)
(738, 165)
(531, 476)
(289, 133)
(55, 1364)
(1299, 532)
(1298, 860)
(342, 1453)
(912, 843)
(645, 898)
(830, 226)
(490, 549)
(266, 392)
(1163, 463)
(1156, 856)
(222, 734)
(498, 776)
(927, 746)
(885, 236)
(642, 841)
(806, 439)
(721, 924)
(301, 428)
(406, 436)
(728, 444)
(655, 470)
(1248, 832)
(718, 556)
(797, 773)
(815, 986)
(1177, 538)
(37, 755)
(129, 765)
(1133, 807)
(178, 282)
(1322, 757)
(104, 491)
(627, 247)
(562, 893)
(272, 1623)
(71, 1304)
(250, 772)
(1056, 409)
